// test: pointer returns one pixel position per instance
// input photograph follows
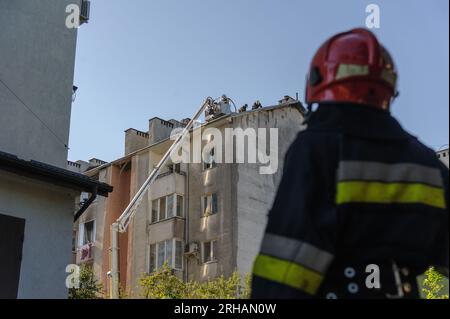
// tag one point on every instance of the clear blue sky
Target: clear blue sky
(143, 58)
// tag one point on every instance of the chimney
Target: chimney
(135, 140)
(159, 129)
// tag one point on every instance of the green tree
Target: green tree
(163, 284)
(434, 285)
(89, 286)
(247, 288)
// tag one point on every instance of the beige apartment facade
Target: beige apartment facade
(203, 219)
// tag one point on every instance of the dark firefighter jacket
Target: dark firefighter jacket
(361, 211)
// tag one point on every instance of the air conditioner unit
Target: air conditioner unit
(192, 248)
(85, 11)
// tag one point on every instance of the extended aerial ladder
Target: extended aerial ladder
(121, 224)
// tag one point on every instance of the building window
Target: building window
(86, 233)
(209, 251)
(209, 204)
(155, 211)
(180, 205)
(84, 197)
(162, 208)
(170, 207)
(178, 254)
(210, 161)
(167, 207)
(152, 258)
(168, 251)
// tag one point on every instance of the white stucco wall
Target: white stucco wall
(48, 213)
(37, 56)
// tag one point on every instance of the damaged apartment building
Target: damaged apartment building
(203, 219)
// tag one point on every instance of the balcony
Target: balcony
(167, 183)
(166, 229)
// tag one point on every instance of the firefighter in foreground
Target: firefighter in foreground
(362, 208)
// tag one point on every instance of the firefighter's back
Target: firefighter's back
(390, 196)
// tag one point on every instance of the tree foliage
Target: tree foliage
(433, 285)
(163, 284)
(89, 286)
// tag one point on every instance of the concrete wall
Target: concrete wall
(48, 213)
(37, 63)
(137, 232)
(166, 185)
(255, 192)
(219, 226)
(244, 197)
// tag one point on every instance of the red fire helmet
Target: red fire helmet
(352, 67)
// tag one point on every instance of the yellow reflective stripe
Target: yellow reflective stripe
(287, 273)
(385, 193)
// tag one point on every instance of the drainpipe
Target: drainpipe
(186, 224)
(114, 250)
(86, 204)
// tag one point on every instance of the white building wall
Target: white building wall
(48, 213)
(37, 63)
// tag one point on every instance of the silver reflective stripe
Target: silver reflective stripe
(346, 70)
(297, 251)
(382, 172)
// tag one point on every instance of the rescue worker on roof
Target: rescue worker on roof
(362, 208)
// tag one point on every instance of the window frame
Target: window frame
(212, 251)
(207, 207)
(212, 164)
(166, 206)
(81, 232)
(173, 254)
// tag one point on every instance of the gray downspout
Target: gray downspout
(186, 231)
